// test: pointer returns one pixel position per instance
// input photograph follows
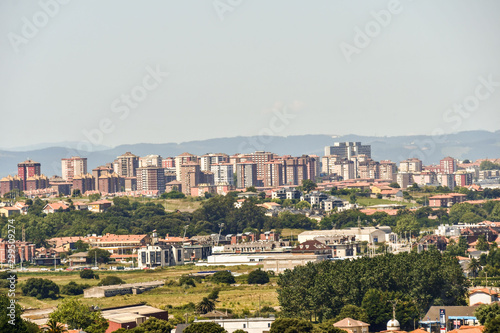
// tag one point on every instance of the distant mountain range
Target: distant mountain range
(471, 145)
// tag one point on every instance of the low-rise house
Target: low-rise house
(54, 206)
(99, 206)
(312, 246)
(197, 252)
(9, 211)
(355, 326)
(79, 258)
(283, 261)
(482, 296)
(131, 316)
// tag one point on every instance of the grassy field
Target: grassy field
(240, 297)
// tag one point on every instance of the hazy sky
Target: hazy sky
(240, 67)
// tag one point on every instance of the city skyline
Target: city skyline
(385, 68)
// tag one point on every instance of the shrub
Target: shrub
(110, 281)
(40, 288)
(223, 277)
(88, 274)
(73, 288)
(258, 277)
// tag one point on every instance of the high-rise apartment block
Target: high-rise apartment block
(151, 178)
(26, 169)
(126, 165)
(207, 160)
(448, 165)
(84, 183)
(223, 173)
(246, 174)
(73, 166)
(348, 149)
(150, 160)
(410, 165)
(182, 159)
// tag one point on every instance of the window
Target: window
(244, 325)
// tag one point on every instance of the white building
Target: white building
(152, 256)
(73, 166)
(482, 296)
(365, 234)
(250, 325)
(223, 173)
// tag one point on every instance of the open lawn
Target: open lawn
(238, 297)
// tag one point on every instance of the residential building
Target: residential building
(260, 158)
(273, 174)
(117, 244)
(60, 186)
(286, 193)
(404, 179)
(348, 149)
(150, 161)
(181, 160)
(283, 261)
(126, 165)
(482, 296)
(99, 206)
(223, 173)
(190, 176)
(54, 207)
(446, 179)
(446, 200)
(73, 166)
(448, 165)
(246, 174)
(8, 211)
(388, 170)
(344, 169)
(150, 178)
(207, 160)
(351, 325)
(410, 165)
(23, 251)
(364, 234)
(110, 183)
(100, 171)
(37, 182)
(84, 183)
(26, 169)
(10, 183)
(463, 178)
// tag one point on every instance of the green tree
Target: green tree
(482, 244)
(394, 185)
(76, 193)
(214, 294)
(303, 205)
(258, 276)
(81, 246)
(223, 277)
(206, 327)
(205, 305)
(79, 316)
(291, 325)
(487, 312)
(240, 331)
(73, 288)
(474, 266)
(354, 312)
(110, 281)
(352, 199)
(308, 185)
(40, 288)
(55, 327)
(152, 325)
(101, 255)
(88, 274)
(251, 189)
(407, 224)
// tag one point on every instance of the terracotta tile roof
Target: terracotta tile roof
(346, 322)
(483, 290)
